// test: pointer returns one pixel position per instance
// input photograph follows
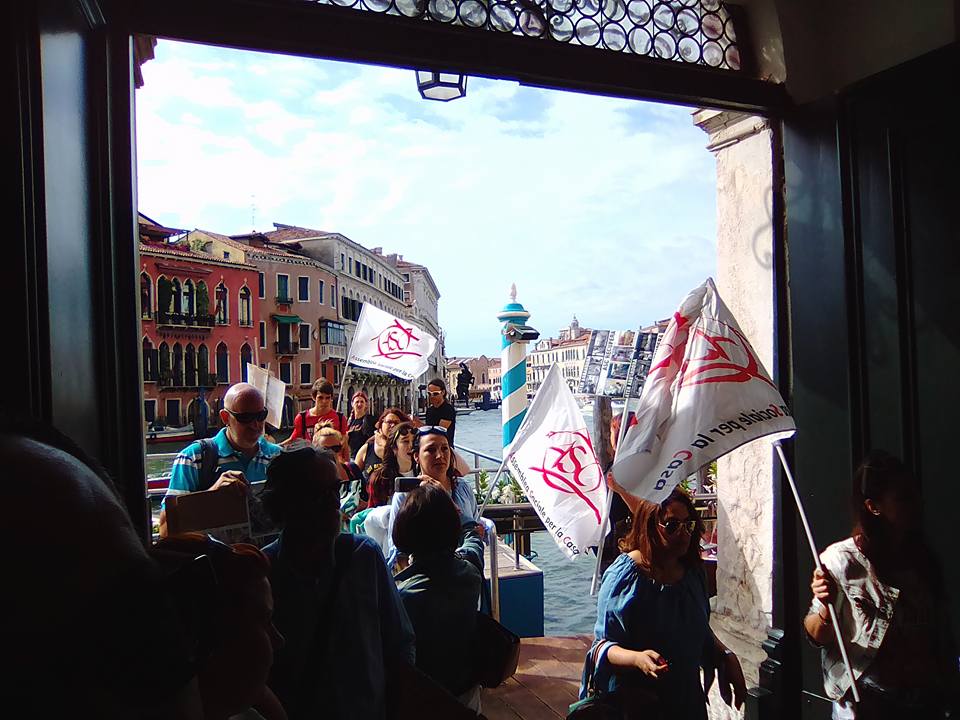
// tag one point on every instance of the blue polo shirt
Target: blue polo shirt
(185, 476)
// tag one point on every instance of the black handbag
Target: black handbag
(597, 705)
(497, 652)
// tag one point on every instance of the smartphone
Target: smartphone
(405, 484)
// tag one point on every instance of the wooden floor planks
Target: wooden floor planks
(546, 682)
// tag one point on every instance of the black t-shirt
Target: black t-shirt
(444, 412)
(358, 432)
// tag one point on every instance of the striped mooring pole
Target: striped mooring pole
(513, 363)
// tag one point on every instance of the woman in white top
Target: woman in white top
(890, 603)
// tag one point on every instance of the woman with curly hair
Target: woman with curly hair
(653, 635)
(397, 462)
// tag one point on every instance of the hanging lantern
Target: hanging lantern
(441, 86)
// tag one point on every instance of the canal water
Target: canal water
(568, 608)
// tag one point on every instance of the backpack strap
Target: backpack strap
(303, 423)
(209, 457)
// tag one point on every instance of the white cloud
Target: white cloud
(595, 206)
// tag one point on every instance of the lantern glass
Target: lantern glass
(441, 86)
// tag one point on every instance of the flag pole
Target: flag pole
(343, 380)
(816, 558)
(346, 364)
(608, 502)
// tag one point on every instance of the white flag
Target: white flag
(383, 342)
(273, 390)
(553, 459)
(705, 395)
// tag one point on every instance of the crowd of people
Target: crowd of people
(364, 602)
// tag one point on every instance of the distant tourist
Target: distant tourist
(891, 604)
(322, 411)
(441, 588)
(370, 455)
(439, 411)
(334, 602)
(653, 634)
(237, 454)
(361, 423)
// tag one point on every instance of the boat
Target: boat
(161, 434)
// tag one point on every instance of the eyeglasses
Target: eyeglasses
(434, 393)
(248, 417)
(671, 526)
(431, 430)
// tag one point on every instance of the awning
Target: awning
(287, 319)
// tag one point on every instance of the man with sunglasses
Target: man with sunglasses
(440, 412)
(238, 454)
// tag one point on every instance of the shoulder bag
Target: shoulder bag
(497, 652)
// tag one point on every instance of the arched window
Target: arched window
(177, 365)
(150, 359)
(146, 296)
(223, 364)
(203, 303)
(176, 297)
(246, 356)
(189, 299)
(190, 361)
(222, 299)
(203, 365)
(246, 317)
(164, 360)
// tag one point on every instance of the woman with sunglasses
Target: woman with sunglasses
(397, 462)
(653, 635)
(891, 605)
(370, 456)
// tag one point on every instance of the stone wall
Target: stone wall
(744, 602)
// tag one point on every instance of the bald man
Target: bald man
(242, 453)
(78, 587)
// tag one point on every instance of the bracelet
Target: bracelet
(824, 620)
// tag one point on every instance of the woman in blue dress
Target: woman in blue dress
(653, 633)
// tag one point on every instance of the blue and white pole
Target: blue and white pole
(513, 363)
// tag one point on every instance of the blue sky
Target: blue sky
(596, 206)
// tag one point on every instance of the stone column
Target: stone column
(745, 279)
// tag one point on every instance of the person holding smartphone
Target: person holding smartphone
(435, 465)
(653, 633)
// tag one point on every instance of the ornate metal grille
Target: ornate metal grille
(693, 31)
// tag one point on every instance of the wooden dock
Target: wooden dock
(546, 682)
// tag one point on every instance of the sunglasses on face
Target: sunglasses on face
(249, 417)
(332, 448)
(671, 526)
(434, 393)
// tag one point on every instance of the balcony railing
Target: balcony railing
(284, 299)
(184, 320)
(199, 380)
(333, 352)
(287, 348)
